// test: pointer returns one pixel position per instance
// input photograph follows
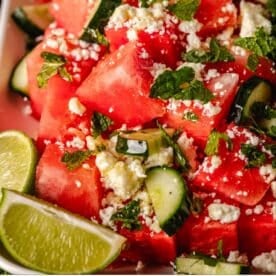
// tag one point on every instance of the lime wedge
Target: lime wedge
(48, 239)
(18, 157)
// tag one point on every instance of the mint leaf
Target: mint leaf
(216, 53)
(185, 9)
(212, 146)
(252, 62)
(255, 157)
(128, 215)
(190, 116)
(94, 36)
(179, 155)
(169, 83)
(180, 85)
(73, 160)
(101, 123)
(262, 44)
(195, 91)
(53, 65)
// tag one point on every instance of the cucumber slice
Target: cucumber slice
(32, 19)
(131, 147)
(19, 77)
(167, 191)
(98, 17)
(265, 117)
(142, 143)
(253, 90)
(208, 266)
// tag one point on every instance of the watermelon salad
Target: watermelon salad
(157, 120)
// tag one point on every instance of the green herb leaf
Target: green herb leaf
(274, 163)
(212, 146)
(128, 215)
(101, 123)
(252, 62)
(185, 9)
(262, 44)
(73, 160)
(179, 155)
(217, 53)
(255, 157)
(94, 36)
(190, 116)
(195, 91)
(53, 64)
(180, 85)
(169, 83)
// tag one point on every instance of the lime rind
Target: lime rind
(18, 159)
(9, 223)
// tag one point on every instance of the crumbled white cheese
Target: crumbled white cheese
(124, 182)
(76, 143)
(76, 107)
(211, 74)
(158, 69)
(135, 165)
(223, 213)
(78, 183)
(258, 209)
(268, 173)
(106, 214)
(235, 257)
(132, 35)
(253, 17)
(149, 19)
(105, 161)
(90, 143)
(210, 109)
(191, 28)
(266, 262)
(161, 158)
(248, 212)
(145, 203)
(209, 166)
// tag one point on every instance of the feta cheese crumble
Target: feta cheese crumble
(266, 262)
(76, 107)
(253, 17)
(223, 213)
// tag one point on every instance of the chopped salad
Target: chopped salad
(157, 120)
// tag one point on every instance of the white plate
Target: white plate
(12, 116)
